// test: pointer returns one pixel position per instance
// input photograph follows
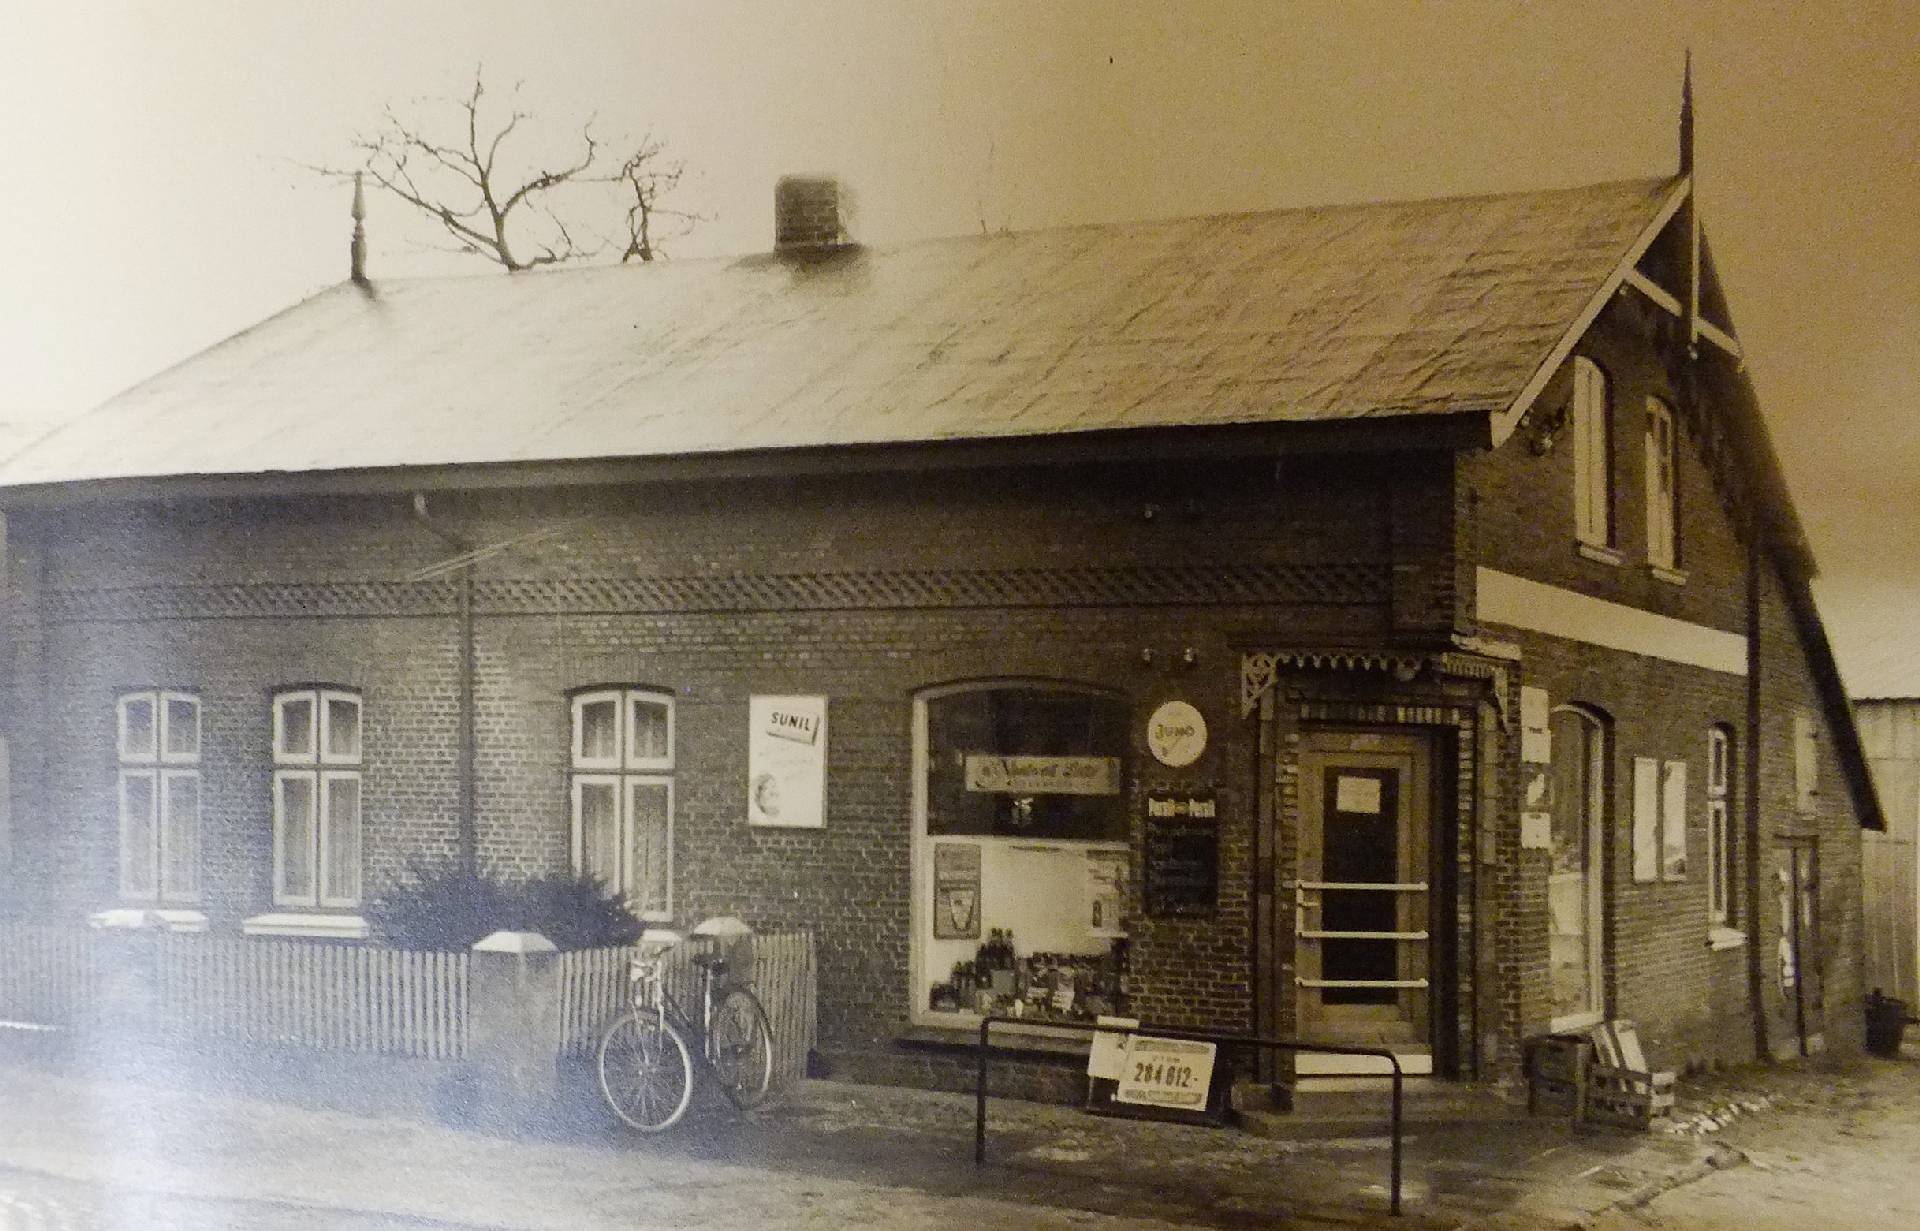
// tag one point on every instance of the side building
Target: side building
(1379, 623)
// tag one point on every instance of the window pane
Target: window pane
(650, 835)
(294, 827)
(343, 729)
(599, 836)
(648, 728)
(341, 840)
(599, 723)
(136, 833)
(296, 726)
(1026, 762)
(136, 727)
(180, 836)
(183, 727)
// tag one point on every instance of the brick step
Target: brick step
(1358, 1106)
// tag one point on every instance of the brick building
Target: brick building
(1381, 623)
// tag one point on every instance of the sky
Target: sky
(156, 198)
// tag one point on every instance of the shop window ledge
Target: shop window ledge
(1008, 1037)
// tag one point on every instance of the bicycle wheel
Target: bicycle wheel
(740, 1048)
(645, 1072)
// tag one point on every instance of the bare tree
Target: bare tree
(462, 175)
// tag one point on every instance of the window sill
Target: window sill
(289, 923)
(1672, 576)
(140, 918)
(1007, 1036)
(1719, 938)
(1604, 555)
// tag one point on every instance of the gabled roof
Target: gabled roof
(1414, 309)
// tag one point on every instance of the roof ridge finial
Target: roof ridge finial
(1686, 116)
(357, 264)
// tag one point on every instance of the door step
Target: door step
(1329, 1064)
(1361, 1106)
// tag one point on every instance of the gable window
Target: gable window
(159, 796)
(1592, 455)
(317, 758)
(621, 794)
(1720, 878)
(1662, 489)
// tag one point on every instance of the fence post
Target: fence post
(513, 1026)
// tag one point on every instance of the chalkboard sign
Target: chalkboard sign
(1182, 857)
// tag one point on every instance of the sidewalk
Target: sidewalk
(828, 1154)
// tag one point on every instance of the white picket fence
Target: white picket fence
(593, 991)
(47, 975)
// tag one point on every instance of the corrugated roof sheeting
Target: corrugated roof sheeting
(1337, 313)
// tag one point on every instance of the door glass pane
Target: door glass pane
(180, 841)
(1568, 900)
(650, 820)
(296, 820)
(296, 727)
(599, 838)
(343, 729)
(648, 728)
(343, 840)
(136, 727)
(183, 727)
(1361, 845)
(136, 834)
(599, 720)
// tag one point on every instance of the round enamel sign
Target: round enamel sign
(1176, 734)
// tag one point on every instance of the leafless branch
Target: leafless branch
(463, 187)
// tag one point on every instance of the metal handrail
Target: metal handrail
(1195, 1036)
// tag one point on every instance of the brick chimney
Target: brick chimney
(806, 214)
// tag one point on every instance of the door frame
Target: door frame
(1599, 763)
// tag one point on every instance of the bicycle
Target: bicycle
(646, 1067)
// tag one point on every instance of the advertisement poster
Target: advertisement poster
(1167, 1073)
(1107, 893)
(956, 891)
(787, 761)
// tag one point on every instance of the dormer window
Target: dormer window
(1662, 489)
(1592, 456)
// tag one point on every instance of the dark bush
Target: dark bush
(448, 908)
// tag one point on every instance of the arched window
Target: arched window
(1020, 842)
(159, 796)
(1592, 455)
(1662, 488)
(317, 758)
(620, 794)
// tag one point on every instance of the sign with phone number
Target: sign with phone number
(1166, 1073)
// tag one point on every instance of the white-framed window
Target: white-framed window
(1662, 487)
(1806, 761)
(1592, 455)
(620, 794)
(1720, 879)
(1659, 820)
(317, 759)
(158, 795)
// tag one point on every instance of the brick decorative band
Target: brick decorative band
(1334, 584)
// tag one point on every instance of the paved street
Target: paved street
(109, 1144)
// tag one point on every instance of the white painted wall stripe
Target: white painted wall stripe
(1518, 602)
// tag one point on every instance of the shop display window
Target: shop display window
(1021, 854)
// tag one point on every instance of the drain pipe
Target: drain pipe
(469, 831)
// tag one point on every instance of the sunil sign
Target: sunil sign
(787, 761)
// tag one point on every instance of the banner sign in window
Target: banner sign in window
(787, 761)
(956, 891)
(1043, 775)
(1181, 858)
(1167, 1073)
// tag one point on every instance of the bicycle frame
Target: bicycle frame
(648, 977)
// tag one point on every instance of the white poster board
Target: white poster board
(787, 761)
(1167, 1073)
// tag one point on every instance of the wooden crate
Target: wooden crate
(1557, 1074)
(1628, 1097)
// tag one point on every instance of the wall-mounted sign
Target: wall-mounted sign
(1043, 775)
(1176, 734)
(787, 761)
(1181, 858)
(1536, 729)
(956, 891)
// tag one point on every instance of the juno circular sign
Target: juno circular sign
(1176, 734)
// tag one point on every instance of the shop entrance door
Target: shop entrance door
(1361, 902)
